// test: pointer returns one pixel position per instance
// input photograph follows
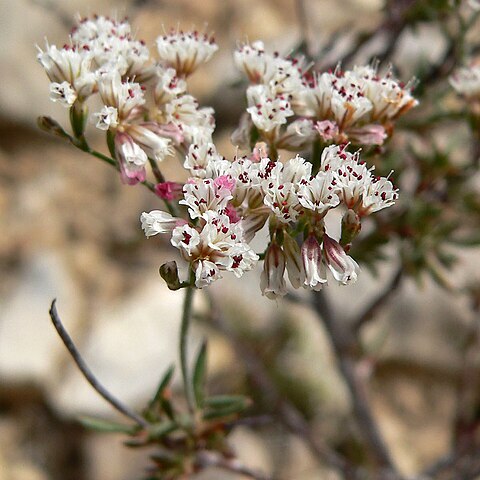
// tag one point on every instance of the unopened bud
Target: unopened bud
(49, 125)
(78, 118)
(351, 226)
(169, 272)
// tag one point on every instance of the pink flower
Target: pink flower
(169, 190)
(327, 130)
(225, 181)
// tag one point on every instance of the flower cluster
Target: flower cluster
(148, 114)
(104, 57)
(291, 107)
(230, 201)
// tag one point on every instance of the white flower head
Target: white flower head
(168, 85)
(126, 97)
(69, 64)
(379, 194)
(320, 193)
(200, 196)
(200, 158)
(185, 51)
(267, 111)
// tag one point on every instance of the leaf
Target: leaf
(161, 429)
(222, 401)
(225, 406)
(107, 426)
(164, 383)
(199, 373)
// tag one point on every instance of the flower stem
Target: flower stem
(184, 329)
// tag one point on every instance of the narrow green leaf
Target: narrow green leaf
(199, 373)
(222, 401)
(159, 430)
(224, 412)
(101, 425)
(164, 383)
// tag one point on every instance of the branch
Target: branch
(346, 348)
(288, 413)
(207, 458)
(86, 372)
(370, 312)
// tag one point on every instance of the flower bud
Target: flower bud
(78, 118)
(272, 282)
(49, 125)
(351, 227)
(315, 274)
(295, 270)
(169, 272)
(343, 267)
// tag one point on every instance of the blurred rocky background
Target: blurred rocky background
(70, 231)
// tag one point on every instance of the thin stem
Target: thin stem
(184, 329)
(346, 347)
(87, 373)
(207, 459)
(369, 313)
(156, 171)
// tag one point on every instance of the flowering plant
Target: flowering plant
(295, 196)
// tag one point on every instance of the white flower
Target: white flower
(242, 259)
(217, 241)
(199, 159)
(70, 65)
(186, 239)
(351, 179)
(379, 193)
(315, 270)
(343, 267)
(155, 146)
(63, 93)
(156, 221)
(319, 194)
(203, 195)
(267, 111)
(253, 60)
(107, 118)
(334, 97)
(295, 169)
(185, 51)
(281, 197)
(389, 97)
(126, 97)
(168, 85)
(206, 272)
(283, 76)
